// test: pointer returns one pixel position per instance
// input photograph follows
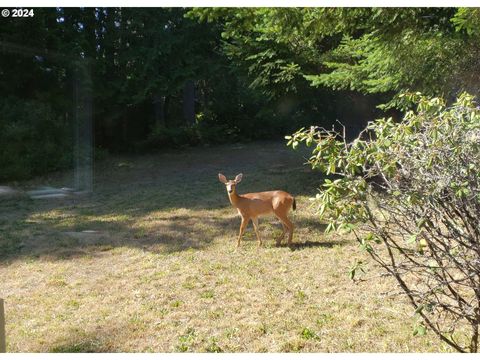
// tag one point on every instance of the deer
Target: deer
(252, 205)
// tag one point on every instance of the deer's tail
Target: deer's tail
(294, 205)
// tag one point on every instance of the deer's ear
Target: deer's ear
(238, 178)
(222, 178)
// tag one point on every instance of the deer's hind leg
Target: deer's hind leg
(290, 229)
(255, 227)
(278, 240)
(286, 223)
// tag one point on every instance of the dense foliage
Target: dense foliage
(370, 50)
(134, 68)
(170, 77)
(410, 191)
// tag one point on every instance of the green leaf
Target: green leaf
(412, 238)
(421, 222)
(419, 330)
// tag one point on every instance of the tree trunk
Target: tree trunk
(189, 102)
(159, 108)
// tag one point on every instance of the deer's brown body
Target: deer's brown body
(251, 206)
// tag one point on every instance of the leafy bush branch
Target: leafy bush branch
(410, 192)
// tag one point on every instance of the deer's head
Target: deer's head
(230, 184)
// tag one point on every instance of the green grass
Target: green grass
(160, 273)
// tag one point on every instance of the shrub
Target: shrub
(163, 137)
(410, 192)
(33, 139)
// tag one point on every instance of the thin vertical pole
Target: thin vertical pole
(83, 127)
(3, 343)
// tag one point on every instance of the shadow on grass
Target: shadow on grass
(152, 189)
(314, 244)
(101, 341)
(311, 223)
(82, 347)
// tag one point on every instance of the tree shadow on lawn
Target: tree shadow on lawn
(99, 341)
(157, 232)
(312, 223)
(85, 346)
(315, 244)
(164, 233)
(156, 184)
(175, 235)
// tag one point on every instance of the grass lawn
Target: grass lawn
(147, 264)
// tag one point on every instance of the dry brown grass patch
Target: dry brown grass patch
(159, 273)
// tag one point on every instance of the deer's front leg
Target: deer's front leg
(243, 225)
